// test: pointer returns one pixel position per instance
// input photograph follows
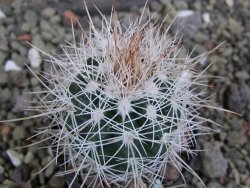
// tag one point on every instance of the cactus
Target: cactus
(122, 105)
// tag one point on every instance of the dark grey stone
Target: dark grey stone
(238, 97)
(214, 163)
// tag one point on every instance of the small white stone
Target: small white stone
(229, 3)
(15, 157)
(11, 66)
(2, 14)
(157, 184)
(203, 61)
(34, 57)
(184, 13)
(206, 17)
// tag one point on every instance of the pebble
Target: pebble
(214, 163)
(214, 185)
(155, 6)
(227, 52)
(15, 45)
(55, 19)
(16, 4)
(34, 58)
(15, 157)
(28, 184)
(4, 44)
(48, 12)
(22, 102)
(31, 17)
(190, 23)
(19, 174)
(38, 42)
(41, 178)
(5, 95)
(201, 37)
(247, 181)
(23, 51)
(184, 13)
(203, 62)
(28, 157)
(1, 169)
(172, 173)
(206, 17)
(34, 81)
(235, 26)
(2, 14)
(236, 138)
(19, 78)
(179, 5)
(50, 170)
(2, 31)
(238, 97)
(165, 2)
(242, 75)
(26, 27)
(10, 184)
(18, 59)
(19, 133)
(2, 57)
(229, 3)
(241, 165)
(45, 26)
(57, 181)
(11, 66)
(197, 6)
(157, 184)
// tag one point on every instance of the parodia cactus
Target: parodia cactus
(122, 105)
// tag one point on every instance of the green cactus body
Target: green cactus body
(116, 136)
(122, 105)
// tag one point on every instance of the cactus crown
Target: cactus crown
(122, 105)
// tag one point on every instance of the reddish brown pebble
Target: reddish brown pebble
(222, 180)
(5, 130)
(71, 17)
(247, 181)
(24, 37)
(211, 86)
(246, 127)
(208, 45)
(172, 173)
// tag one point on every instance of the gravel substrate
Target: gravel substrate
(206, 24)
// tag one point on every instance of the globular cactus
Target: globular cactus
(122, 105)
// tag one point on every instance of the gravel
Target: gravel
(206, 24)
